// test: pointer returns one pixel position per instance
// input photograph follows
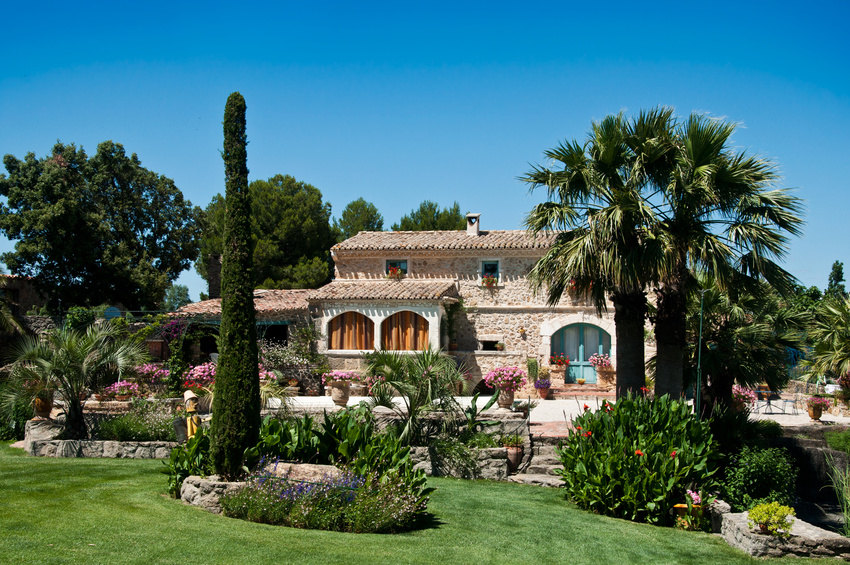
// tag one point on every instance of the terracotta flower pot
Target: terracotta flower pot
(815, 411)
(514, 458)
(43, 407)
(543, 393)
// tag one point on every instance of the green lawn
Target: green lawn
(115, 511)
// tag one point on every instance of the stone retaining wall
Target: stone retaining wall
(107, 449)
(805, 541)
(206, 492)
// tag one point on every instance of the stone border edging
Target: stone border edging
(806, 540)
(101, 449)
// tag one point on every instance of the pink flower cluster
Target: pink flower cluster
(371, 381)
(695, 497)
(510, 379)
(266, 376)
(742, 398)
(122, 388)
(339, 377)
(202, 375)
(598, 360)
(152, 373)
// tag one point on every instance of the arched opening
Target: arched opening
(404, 331)
(351, 330)
(579, 342)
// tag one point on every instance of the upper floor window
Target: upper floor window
(489, 273)
(396, 268)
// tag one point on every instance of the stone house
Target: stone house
(392, 289)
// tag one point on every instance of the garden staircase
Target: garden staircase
(541, 469)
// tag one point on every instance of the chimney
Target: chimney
(214, 275)
(473, 224)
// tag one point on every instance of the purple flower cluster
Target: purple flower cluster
(510, 379)
(542, 383)
(173, 329)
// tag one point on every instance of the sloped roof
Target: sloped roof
(268, 303)
(431, 240)
(406, 289)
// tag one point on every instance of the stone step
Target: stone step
(538, 480)
(542, 469)
(543, 460)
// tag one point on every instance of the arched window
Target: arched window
(404, 331)
(579, 342)
(351, 330)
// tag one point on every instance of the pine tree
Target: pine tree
(236, 406)
(835, 286)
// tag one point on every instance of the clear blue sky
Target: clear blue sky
(404, 101)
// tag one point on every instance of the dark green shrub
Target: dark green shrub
(145, 421)
(635, 459)
(192, 458)
(760, 475)
(79, 318)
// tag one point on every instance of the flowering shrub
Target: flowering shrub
(559, 360)
(542, 383)
(346, 503)
(510, 379)
(635, 459)
(173, 329)
(340, 377)
(200, 376)
(742, 398)
(598, 360)
(395, 273)
(822, 401)
(489, 281)
(372, 381)
(266, 376)
(278, 356)
(122, 388)
(152, 373)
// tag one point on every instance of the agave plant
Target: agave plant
(70, 361)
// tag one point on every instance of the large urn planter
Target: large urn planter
(815, 412)
(340, 393)
(506, 399)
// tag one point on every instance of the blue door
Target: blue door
(579, 342)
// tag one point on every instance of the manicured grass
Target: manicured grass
(115, 511)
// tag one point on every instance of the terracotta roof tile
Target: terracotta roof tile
(269, 303)
(385, 290)
(430, 240)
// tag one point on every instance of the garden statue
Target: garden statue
(192, 418)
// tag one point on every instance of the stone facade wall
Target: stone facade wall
(509, 312)
(40, 324)
(107, 449)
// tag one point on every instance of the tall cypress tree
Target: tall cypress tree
(236, 406)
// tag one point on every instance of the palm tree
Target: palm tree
(599, 209)
(718, 216)
(70, 361)
(747, 339)
(831, 337)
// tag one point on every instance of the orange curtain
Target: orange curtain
(351, 330)
(404, 331)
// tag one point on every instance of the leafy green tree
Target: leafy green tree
(429, 217)
(291, 229)
(359, 216)
(835, 286)
(95, 230)
(717, 215)
(236, 404)
(603, 245)
(71, 361)
(176, 296)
